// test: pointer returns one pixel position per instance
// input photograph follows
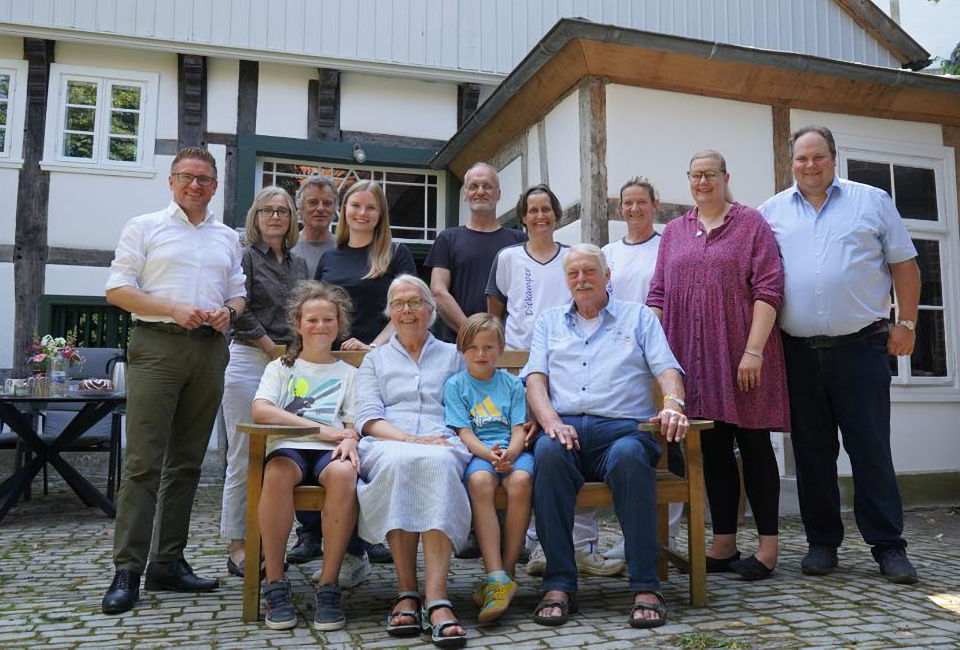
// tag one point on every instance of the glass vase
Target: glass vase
(57, 375)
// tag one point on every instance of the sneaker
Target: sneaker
(309, 546)
(329, 614)
(380, 554)
(895, 566)
(353, 571)
(819, 560)
(497, 594)
(537, 563)
(592, 563)
(280, 612)
(615, 553)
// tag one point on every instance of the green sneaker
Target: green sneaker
(496, 598)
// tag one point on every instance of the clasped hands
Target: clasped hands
(189, 317)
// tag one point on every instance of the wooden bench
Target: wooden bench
(671, 488)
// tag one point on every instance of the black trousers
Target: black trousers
(847, 386)
(761, 477)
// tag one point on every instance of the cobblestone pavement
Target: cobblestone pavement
(55, 565)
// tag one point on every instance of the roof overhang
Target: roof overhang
(575, 49)
(883, 28)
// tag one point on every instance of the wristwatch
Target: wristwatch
(669, 397)
(233, 314)
(909, 324)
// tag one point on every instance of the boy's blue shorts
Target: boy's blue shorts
(524, 462)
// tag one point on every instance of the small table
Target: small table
(96, 406)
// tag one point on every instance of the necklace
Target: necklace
(711, 222)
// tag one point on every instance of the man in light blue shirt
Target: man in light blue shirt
(588, 384)
(843, 244)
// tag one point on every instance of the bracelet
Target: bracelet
(670, 397)
(753, 354)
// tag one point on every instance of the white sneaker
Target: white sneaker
(592, 564)
(353, 571)
(615, 553)
(537, 563)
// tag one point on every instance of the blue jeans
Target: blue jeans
(847, 386)
(623, 457)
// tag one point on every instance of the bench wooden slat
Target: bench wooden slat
(671, 488)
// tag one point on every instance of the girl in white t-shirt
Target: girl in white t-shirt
(309, 387)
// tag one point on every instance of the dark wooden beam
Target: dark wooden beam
(323, 106)
(247, 88)
(79, 256)
(33, 194)
(388, 140)
(248, 83)
(782, 165)
(468, 97)
(191, 100)
(593, 161)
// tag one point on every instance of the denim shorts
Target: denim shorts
(524, 463)
(310, 461)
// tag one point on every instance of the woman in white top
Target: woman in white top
(527, 278)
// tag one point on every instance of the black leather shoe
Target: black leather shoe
(380, 554)
(308, 547)
(819, 560)
(177, 576)
(895, 566)
(123, 593)
(722, 564)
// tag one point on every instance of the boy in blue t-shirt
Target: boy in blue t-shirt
(487, 408)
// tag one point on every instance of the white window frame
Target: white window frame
(440, 176)
(53, 158)
(12, 153)
(944, 231)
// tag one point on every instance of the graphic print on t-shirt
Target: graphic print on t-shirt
(317, 403)
(485, 412)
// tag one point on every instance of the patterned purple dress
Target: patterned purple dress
(706, 285)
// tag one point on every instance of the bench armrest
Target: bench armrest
(282, 430)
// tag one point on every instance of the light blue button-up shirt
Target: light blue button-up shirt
(836, 278)
(607, 374)
(392, 386)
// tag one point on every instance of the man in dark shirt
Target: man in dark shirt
(461, 257)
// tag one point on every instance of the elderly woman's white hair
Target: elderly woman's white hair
(414, 281)
(589, 250)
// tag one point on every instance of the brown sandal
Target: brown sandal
(567, 607)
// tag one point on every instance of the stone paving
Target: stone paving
(55, 565)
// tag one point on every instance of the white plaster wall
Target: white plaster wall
(62, 280)
(219, 153)
(282, 100)
(569, 234)
(563, 149)
(6, 315)
(88, 210)
(654, 133)
(8, 205)
(510, 186)
(533, 156)
(121, 58)
(394, 106)
(222, 83)
(11, 47)
(873, 127)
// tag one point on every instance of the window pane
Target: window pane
(929, 358)
(432, 210)
(415, 179)
(871, 173)
(3, 113)
(4, 86)
(916, 192)
(125, 97)
(81, 119)
(123, 150)
(931, 275)
(3, 139)
(82, 92)
(124, 123)
(406, 208)
(76, 145)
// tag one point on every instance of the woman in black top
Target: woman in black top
(364, 263)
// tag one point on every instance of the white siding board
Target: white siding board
(106, 16)
(400, 32)
(145, 19)
(220, 23)
(294, 15)
(418, 32)
(202, 23)
(470, 32)
(84, 15)
(126, 18)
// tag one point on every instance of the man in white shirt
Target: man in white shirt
(178, 272)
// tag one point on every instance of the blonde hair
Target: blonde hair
(304, 292)
(713, 154)
(380, 251)
(253, 234)
(479, 322)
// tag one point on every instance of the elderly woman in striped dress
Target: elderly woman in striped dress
(411, 464)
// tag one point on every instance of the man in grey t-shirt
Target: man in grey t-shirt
(316, 203)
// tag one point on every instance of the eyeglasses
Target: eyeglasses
(476, 187)
(310, 204)
(413, 304)
(202, 181)
(283, 213)
(696, 177)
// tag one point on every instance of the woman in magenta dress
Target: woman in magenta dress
(717, 287)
